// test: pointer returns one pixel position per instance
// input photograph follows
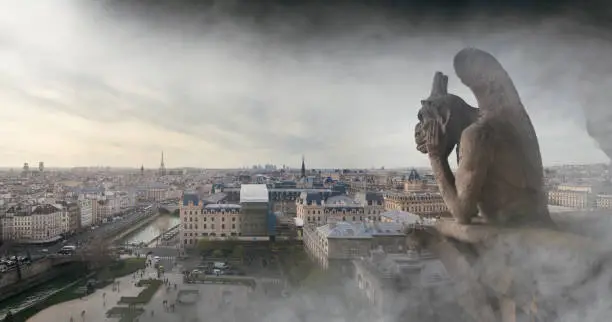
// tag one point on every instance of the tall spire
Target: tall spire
(303, 167)
(162, 166)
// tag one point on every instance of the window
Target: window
(222, 226)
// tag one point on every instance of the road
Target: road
(81, 239)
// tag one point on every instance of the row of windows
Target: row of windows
(212, 226)
(192, 219)
(318, 212)
(194, 241)
(211, 212)
(318, 218)
(204, 226)
(413, 198)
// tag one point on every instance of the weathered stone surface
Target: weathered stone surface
(515, 251)
(500, 172)
(534, 259)
(470, 294)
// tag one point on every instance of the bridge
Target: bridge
(169, 208)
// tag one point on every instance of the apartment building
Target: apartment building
(419, 203)
(85, 208)
(201, 218)
(314, 208)
(404, 284)
(35, 224)
(341, 241)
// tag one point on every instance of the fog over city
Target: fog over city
(223, 84)
(98, 83)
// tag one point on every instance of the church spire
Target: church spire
(162, 166)
(303, 168)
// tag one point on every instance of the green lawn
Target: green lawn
(116, 269)
(59, 297)
(127, 266)
(151, 286)
(125, 313)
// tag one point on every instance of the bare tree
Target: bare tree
(97, 253)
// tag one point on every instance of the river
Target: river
(152, 230)
(146, 235)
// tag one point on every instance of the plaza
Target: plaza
(214, 299)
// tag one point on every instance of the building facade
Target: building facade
(315, 208)
(574, 196)
(419, 203)
(36, 224)
(405, 284)
(85, 206)
(342, 241)
(200, 218)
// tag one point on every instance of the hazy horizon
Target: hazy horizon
(93, 83)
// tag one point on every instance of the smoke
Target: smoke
(385, 62)
(340, 301)
(559, 61)
(599, 126)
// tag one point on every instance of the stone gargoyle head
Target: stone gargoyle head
(450, 111)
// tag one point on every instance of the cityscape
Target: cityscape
(355, 221)
(293, 161)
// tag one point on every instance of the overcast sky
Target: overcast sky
(85, 84)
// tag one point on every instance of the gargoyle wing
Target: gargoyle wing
(499, 101)
(488, 80)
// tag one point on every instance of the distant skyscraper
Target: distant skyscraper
(41, 166)
(26, 169)
(303, 168)
(162, 166)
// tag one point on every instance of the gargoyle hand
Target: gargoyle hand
(436, 140)
(420, 138)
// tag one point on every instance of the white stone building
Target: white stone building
(313, 208)
(405, 284)
(203, 219)
(86, 212)
(343, 240)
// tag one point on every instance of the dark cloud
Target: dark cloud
(341, 85)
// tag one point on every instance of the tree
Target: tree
(238, 252)
(97, 253)
(9, 317)
(205, 245)
(217, 253)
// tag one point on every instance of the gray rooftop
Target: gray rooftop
(344, 229)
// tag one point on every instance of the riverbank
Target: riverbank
(147, 234)
(135, 227)
(94, 306)
(30, 303)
